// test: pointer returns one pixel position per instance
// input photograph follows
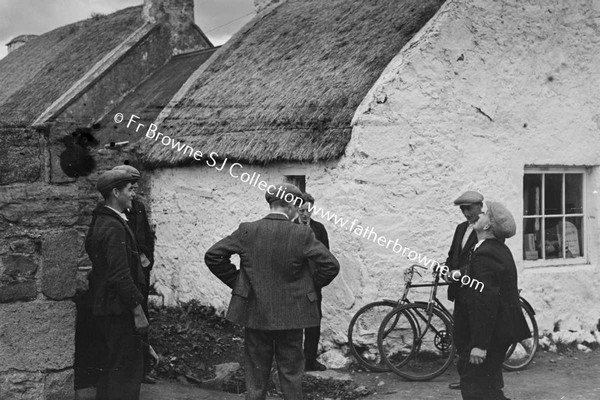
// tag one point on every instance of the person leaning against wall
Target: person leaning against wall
(116, 285)
(273, 295)
(488, 321)
(312, 334)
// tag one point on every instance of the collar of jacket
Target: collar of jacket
(277, 216)
(102, 210)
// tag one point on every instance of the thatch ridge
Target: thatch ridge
(287, 88)
(33, 76)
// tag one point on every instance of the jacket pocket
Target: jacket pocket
(312, 297)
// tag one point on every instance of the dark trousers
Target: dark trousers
(477, 381)
(122, 369)
(312, 336)
(145, 345)
(286, 347)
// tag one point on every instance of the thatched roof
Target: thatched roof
(33, 76)
(287, 85)
(150, 97)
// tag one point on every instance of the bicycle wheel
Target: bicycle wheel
(420, 353)
(362, 334)
(520, 354)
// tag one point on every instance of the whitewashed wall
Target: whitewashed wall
(419, 140)
(532, 67)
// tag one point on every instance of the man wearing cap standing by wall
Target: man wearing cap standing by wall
(274, 295)
(488, 321)
(137, 219)
(116, 285)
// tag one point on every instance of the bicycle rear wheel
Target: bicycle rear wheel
(362, 334)
(520, 354)
(420, 353)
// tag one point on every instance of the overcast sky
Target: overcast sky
(19, 17)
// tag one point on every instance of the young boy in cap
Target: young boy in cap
(273, 295)
(116, 285)
(137, 219)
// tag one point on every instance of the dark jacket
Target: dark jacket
(458, 257)
(116, 280)
(495, 312)
(138, 222)
(273, 289)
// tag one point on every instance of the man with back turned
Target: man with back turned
(274, 295)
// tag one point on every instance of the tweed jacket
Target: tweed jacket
(273, 288)
(116, 280)
(458, 257)
(495, 313)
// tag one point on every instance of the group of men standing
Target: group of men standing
(276, 290)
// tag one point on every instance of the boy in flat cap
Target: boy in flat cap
(116, 285)
(274, 295)
(488, 321)
(137, 219)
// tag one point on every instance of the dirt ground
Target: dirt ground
(551, 376)
(569, 376)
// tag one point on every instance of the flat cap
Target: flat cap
(135, 174)
(501, 219)
(113, 178)
(470, 197)
(283, 191)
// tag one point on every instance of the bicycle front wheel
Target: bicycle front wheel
(362, 334)
(421, 353)
(520, 354)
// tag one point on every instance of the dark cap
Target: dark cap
(135, 174)
(501, 219)
(284, 191)
(467, 198)
(113, 178)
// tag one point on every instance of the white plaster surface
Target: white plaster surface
(418, 142)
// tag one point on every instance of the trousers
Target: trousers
(122, 368)
(477, 381)
(260, 348)
(312, 335)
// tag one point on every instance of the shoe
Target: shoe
(454, 386)
(314, 366)
(149, 379)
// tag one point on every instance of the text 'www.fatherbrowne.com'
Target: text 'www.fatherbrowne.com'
(235, 170)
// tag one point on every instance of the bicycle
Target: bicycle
(364, 326)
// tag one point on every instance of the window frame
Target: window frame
(563, 170)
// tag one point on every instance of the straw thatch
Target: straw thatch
(287, 85)
(33, 76)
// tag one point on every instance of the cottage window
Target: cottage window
(554, 215)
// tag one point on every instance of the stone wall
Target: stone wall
(485, 89)
(39, 254)
(42, 227)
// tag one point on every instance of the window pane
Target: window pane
(532, 194)
(553, 244)
(553, 194)
(532, 238)
(574, 193)
(574, 237)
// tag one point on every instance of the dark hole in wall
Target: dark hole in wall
(76, 159)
